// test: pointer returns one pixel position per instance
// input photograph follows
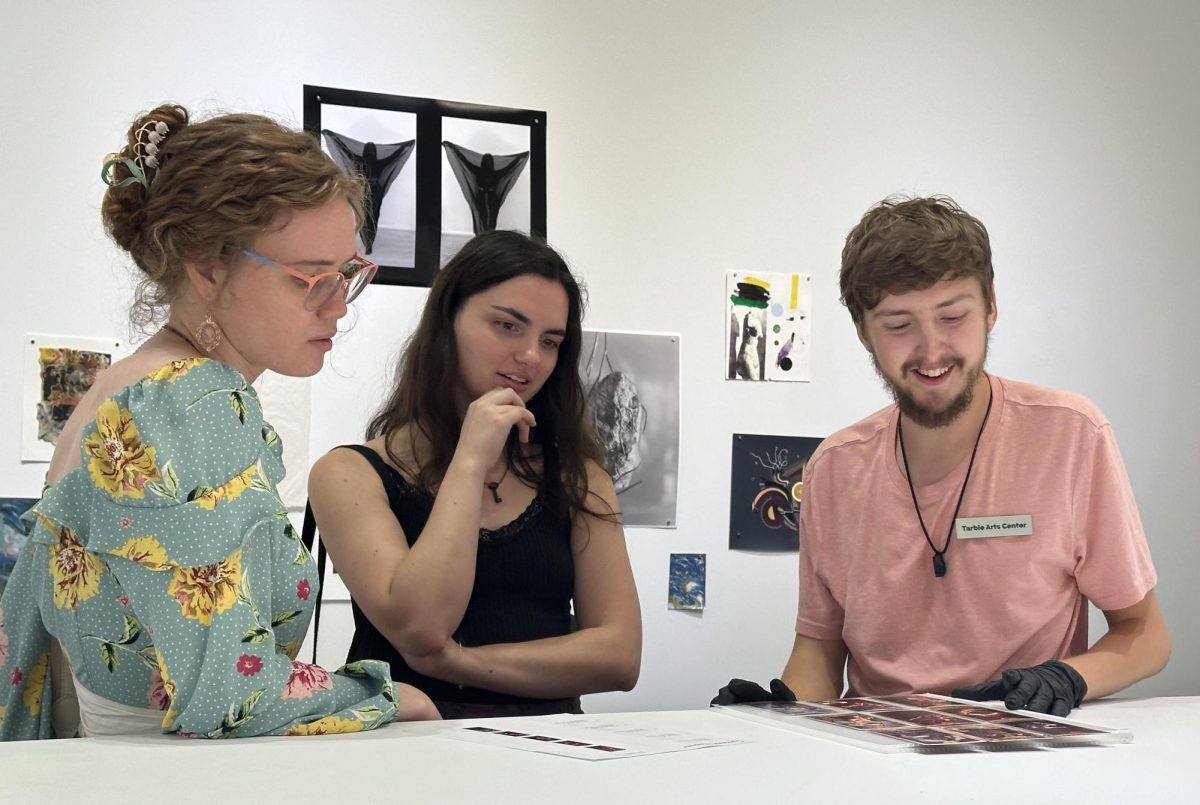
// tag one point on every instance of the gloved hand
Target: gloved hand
(740, 691)
(1052, 687)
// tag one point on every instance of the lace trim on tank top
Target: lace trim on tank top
(489, 536)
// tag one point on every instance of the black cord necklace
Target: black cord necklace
(492, 486)
(939, 556)
(178, 332)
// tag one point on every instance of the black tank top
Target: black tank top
(524, 580)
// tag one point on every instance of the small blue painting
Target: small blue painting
(687, 582)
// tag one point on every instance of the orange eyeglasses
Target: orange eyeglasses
(351, 279)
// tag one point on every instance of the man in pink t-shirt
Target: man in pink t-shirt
(950, 543)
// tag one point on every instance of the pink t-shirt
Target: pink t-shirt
(866, 572)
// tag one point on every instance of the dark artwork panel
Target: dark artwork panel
(765, 490)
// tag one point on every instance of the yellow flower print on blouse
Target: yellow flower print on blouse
(168, 682)
(168, 687)
(202, 592)
(174, 370)
(329, 725)
(118, 462)
(76, 572)
(208, 497)
(34, 684)
(146, 551)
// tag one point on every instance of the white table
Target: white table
(410, 763)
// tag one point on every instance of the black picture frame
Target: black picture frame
(429, 114)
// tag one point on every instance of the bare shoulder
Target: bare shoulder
(109, 383)
(340, 465)
(601, 494)
(402, 450)
(598, 479)
(116, 378)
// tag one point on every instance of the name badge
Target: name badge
(1000, 525)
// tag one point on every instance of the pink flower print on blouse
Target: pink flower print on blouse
(305, 679)
(123, 600)
(3, 640)
(125, 522)
(303, 588)
(249, 665)
(17, 676)
(156, 697)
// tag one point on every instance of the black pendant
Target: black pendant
(939, 564)
(494, 485)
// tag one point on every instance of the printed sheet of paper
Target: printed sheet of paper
(586, 737)
(925, 722)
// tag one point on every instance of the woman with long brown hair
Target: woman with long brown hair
(476, 530)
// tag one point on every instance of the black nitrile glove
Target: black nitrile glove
(741, 691)
(1052, 687)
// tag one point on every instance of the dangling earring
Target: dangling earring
(208, 334)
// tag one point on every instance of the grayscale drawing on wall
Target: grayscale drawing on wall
(632, 386)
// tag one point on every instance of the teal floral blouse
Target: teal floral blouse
(167, 569)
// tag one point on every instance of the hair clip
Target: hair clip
(145, 155)
(145, 150)
(136, 174)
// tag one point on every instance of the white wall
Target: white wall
(686, 138)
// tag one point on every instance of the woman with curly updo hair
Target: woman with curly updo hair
(161, 577)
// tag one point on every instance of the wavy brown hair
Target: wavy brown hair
(427, 373)
(908, 244)
(218, 184)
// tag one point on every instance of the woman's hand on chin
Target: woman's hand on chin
(488, 422)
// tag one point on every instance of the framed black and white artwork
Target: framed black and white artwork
(438, 172)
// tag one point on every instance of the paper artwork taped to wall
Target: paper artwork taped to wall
(632, 385)
(12, 533)
(686, 585)
(58, 371)
(768, 326)
(766, 490)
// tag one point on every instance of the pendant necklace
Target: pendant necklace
(176, 331)
(939, 556)
(492, 486)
